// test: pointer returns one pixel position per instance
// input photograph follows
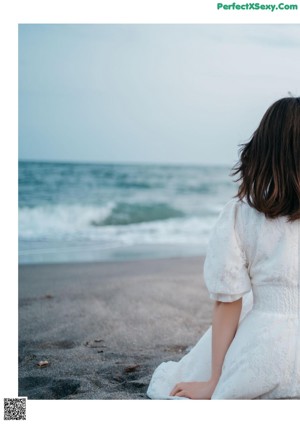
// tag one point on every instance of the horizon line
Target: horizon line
(87, 162)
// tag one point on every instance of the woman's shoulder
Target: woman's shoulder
(247, 217)
(236, 202)
(240, 216)
(235, 206)
(240, 206)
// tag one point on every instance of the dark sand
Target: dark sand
(104, 327)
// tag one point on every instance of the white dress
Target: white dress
(256, 258)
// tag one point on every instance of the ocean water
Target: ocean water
(86, 212)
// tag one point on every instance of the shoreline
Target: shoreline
(134, 252)
(112, 261)
(103, 327)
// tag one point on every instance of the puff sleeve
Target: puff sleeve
(225, 267)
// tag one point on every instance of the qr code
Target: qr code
(15, 408)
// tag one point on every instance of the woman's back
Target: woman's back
(272, 251)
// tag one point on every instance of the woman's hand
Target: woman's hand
(195, 389)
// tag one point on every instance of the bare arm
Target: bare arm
(224, 325)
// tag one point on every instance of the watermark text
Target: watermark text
(257, 6)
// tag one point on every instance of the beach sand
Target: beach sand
(104, 327)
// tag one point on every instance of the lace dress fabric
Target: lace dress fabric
(256, 258)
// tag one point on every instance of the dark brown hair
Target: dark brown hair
(269, 164)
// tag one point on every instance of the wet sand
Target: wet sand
(104, 327)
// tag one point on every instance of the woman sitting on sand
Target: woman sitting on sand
(251, 270)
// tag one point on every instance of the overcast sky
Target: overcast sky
(168, 93)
